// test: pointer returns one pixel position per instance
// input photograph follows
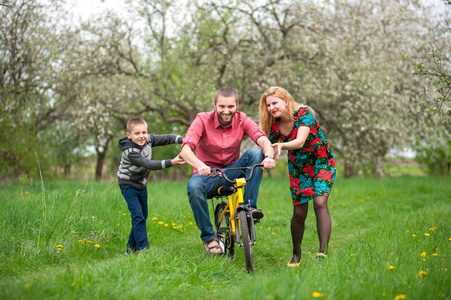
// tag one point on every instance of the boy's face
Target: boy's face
(138, 134)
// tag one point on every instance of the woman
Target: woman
(311, 164)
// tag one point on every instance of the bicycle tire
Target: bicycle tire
(246, 241)
(224, 230)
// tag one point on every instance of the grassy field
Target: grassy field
(391, 239)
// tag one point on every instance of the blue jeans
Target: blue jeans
(137, 205)
(201, 188)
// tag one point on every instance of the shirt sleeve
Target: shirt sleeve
(251, 129)
(136, 158)
(304, 117)
(164, 139)
(194, 134)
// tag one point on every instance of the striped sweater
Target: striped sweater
(136, 161)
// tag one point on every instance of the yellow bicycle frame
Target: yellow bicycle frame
(234, 203)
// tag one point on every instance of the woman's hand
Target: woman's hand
(277, 150)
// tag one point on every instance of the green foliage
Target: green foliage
(400, 222)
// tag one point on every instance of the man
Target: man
(216, 137)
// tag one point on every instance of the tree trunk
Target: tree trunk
(101, 159)
(349, 168)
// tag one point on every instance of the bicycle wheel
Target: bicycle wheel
(246, 240)
(224, 230)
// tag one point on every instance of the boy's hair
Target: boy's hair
(226, 92)
(133, 122)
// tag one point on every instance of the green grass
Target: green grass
(376, 224)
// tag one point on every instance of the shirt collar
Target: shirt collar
(216, 120)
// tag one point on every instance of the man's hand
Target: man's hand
(204, 171)
(269, 163)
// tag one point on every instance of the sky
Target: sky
(88, 8)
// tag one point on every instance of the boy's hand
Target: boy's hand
(178, 160)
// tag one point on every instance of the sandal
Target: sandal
(320, 255)
(209, 248)
(293, 264)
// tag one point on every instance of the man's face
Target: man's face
(138, 134)
(225, 108)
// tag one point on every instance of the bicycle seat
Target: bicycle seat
(226, 190)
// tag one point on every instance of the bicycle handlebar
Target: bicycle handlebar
(220, 171)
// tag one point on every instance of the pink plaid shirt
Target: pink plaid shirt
(219, 146)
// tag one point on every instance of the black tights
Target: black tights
(323, 225)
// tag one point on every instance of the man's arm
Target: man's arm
(268, 151)
(188, 155)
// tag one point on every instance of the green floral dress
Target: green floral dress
(311, 168)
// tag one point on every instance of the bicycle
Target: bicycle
(233, 219)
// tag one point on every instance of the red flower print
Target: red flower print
(292, 157)
(315, 141)
(322, 151)
(294, 184)
(332, 162)
(309, 169)
(313, 130)
(309, 149)
(308, 192)
(325, 175)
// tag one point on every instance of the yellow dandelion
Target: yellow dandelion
(124, 214)
(74, 284)
(154, 219)
(81, 241)
(414, 235)
(400, 297)
(435, 227)
(383, 294)
(391, 267)
(435, 254)
(449, 239)
(89, 242)
(27, 285)
(166, 225)
(269, 212)
(181, 226)
(261, 226)
(160, 223)
(424, 259)
(274, 233)
(344, 204)
(317, 294)
(408, 231)
(73, 231)
(181, 230)
(423, 273)
(269, 228)
(431, 229)
(427, 234)
(191, 223)
(97, 245)
(173, 224)
(423, 254)
(119, 211)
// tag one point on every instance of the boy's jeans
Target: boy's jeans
(202, 187)
(137, 205)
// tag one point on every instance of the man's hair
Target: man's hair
(133, 122)
(226, 92)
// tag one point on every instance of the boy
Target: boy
(133, 174)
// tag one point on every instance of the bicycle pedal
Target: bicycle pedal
(256, 221)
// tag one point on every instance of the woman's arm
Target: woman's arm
(297, 143)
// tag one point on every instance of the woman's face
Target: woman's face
(276, 106)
